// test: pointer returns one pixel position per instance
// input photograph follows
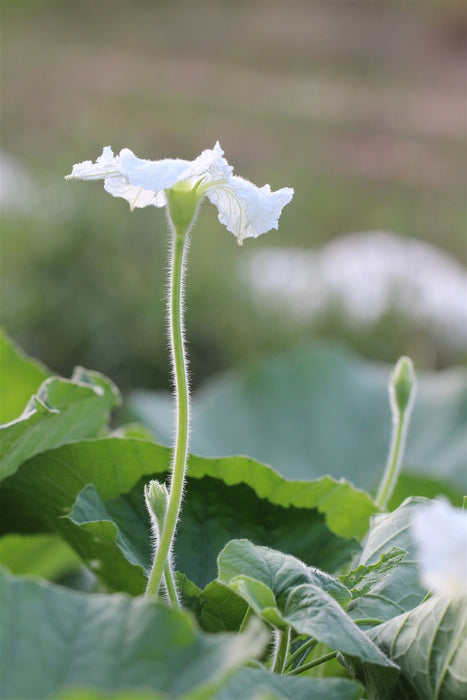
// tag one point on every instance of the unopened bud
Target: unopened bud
(156, 497)
(402, 384)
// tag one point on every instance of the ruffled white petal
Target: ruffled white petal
(211, 165)
(246, 210)
(440, 533)
(105, 166)
(153, 175)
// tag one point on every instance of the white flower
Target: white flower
(244, 209)
(440, 534)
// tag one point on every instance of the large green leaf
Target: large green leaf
(324, 411)
(20, 377)
(52, 639)
(218, 507)
(398, 589)
(249, 683)
(47, 556)
(430, 645)
(61, 411)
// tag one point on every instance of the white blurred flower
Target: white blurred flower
(244, 209)
(440, 533)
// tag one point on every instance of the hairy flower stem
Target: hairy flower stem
(391, 472)
(282, 649)
(182, 399)
(401, 396)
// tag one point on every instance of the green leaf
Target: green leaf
(119, 559)
(398, 589)
(362, 579)
(217, 608)
(324, 411)
(311, 610)
(46, 556)
(278, 572)
(284, 592)
(430, 645)
(249, 684)
(215, 510)
(61, 411)
(53, 639)
(20, 378)
(253, 683)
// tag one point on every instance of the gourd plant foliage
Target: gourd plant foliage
(260, 586)
(273, 577)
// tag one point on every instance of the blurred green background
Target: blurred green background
(357, 105)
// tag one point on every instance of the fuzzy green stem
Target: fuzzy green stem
(301, 650)
(282, 650)
(312, 664)
(182, 399)
(391, 472)
(170, 586)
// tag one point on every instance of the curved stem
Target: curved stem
(312, 664)
(391, 472)
(182, 398)
(306, 646)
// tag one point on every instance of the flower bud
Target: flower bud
(156, 497)
(402, 384)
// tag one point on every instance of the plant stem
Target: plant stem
(301, 650)
(246, 618)
(170, 586)
(282, 649)
(182, 399)
(391, 472)
(312, 664)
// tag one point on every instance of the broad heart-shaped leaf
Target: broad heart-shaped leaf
(224, 498)
(20, 377)
(62, 410)
(52, 639)
(249, 683)
(284, 592)
(398, 589)
(324, 411)
(430, 645)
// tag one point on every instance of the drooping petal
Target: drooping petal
(246, 210)
(137, 197)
